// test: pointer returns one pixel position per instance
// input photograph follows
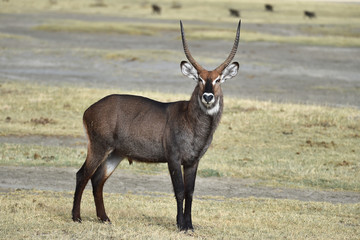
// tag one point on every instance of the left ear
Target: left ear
(229, 72)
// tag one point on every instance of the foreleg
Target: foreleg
(189, 180)
(178, 185)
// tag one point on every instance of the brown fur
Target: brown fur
(145, 130)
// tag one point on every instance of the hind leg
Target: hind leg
(94, 158)
(98, 180)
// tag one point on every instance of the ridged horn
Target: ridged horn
(197, 66)
(220, 68)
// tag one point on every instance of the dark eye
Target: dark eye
(201, 81)
(217, 81)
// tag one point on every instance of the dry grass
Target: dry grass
(337, 24)
(278, 144)
(37, 155)
(286, 12)
(42, 214)
(306, 144)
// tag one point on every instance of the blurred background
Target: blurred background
(290, 51)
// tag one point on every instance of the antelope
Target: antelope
(269, 7)
(309, 14)
(156, 9)
(234, 12)
(145, 130)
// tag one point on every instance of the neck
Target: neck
(203, 124)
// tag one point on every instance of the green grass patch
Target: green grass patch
(278, 144)
(44, 214)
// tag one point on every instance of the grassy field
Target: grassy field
(286, 145)
(337, 24)
(286, 12)
(326, 36)
(41, 214)
(277, 144)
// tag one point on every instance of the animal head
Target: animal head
(209, 82)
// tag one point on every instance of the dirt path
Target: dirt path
(63, 179)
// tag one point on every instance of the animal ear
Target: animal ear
(229, 72)
(188, 70)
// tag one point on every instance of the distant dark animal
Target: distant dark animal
(269, 8)
(140, 129)
(309, 14)
(234, 12)
(156, 9)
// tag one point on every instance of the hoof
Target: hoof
(185, 228)
(190, 229)
(181, 228)
(104, 220)
(77, 219)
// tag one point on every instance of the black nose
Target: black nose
(208, 97)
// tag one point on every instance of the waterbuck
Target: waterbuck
(309, 14)
(269, 8)
(141, 129)
(156, 9)
(234, 12)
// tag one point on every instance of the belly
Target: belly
(141, 150)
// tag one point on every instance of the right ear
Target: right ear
(188, 70)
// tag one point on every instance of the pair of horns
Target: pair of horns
(220, 68)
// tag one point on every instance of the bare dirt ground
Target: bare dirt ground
(268, 71)
(63, 179)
